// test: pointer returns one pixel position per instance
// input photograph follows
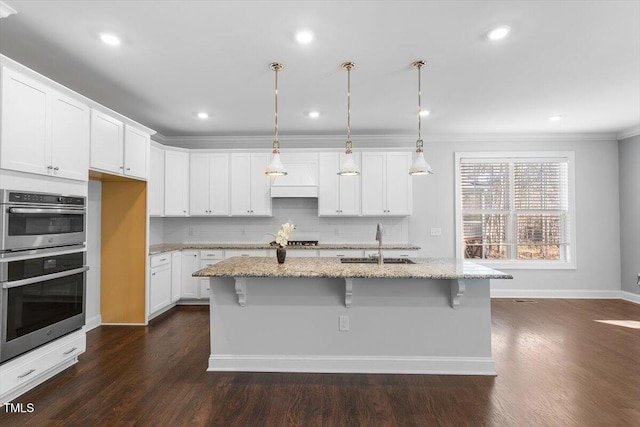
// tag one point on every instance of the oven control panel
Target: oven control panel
(44, 199)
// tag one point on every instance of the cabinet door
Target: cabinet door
(240, 184)
(24, 140)
(176, 183)
(159, 289)
(107, 138)
(219, 184)
(176, 276)
(189, 285)
(374, 184)
(205, 287)
(136, 151)
(398, 184)
(260, 185)
(70, 134)
(156, 182)
(199, 182)
(328, 185)
(349, 190)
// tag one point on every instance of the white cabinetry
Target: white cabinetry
(207, 259)
(250, 187)
(25, 372)
(341, 253)
(209, 184)
(386, 184)
(230, 253)
(42, 131)
(176, 276)
(156, 181)
(176, 183)
(337, 195)
(160, 283)
(393, 253)
(190, 285)
(118, 148)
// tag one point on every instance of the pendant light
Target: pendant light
(419, 165)
(276, 168)
(348, 167)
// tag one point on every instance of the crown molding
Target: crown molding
(6, 10)
(377, 140)
(628, 133)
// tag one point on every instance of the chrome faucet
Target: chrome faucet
(379, 239)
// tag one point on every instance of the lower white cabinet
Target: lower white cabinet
(342, 253)
(176, 275)
(190, 285)
(393, 253)
(25, 372)
(229, 253)
(160, 283)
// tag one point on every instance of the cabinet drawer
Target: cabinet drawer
(212, 254)
(341, 253)
(245, 252)
(394, 253)
(32, 365)
(158, 260)
(207, 263)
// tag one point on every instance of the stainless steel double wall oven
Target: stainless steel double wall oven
(42, 269)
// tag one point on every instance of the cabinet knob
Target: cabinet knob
(49, 167)
(56, 168)
(121, 167)
(128, 169)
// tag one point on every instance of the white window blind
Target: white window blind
(514, 208)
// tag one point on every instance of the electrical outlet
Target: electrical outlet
(242, 231)
(436, 231)
(336, 231)
(343, 323)
(190, 231)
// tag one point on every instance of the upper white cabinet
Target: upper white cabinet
(43, 131)
(386, 184)
(136, 151)
(176, 183)
(118, 148)
(209, 184)
(337, 195)
(250, 187)
(156, 181)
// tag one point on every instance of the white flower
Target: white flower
(282, 238)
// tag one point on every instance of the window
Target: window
(515, 210)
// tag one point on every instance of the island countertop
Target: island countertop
(424, 268)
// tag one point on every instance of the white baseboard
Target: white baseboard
(354, 364)
(124, 324)
(93, 323)
(551, 293)
(629, 296)
(159, 312)
(193, 302)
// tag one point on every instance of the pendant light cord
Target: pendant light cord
(348, 66)
(276, 144)
(419, 142)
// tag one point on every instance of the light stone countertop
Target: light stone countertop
(424, 268)
(168, 247)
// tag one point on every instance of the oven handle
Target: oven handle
(45, 210)
(31, 280)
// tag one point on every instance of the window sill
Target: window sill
(525, 265)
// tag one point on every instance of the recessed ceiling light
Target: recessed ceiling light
(202, 115)
(424, 113)
(555, 118)
(304, 37)
(499, 33)
(110, 39)
(314, 114)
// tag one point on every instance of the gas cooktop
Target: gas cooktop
(298, 243)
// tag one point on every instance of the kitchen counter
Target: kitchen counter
(168, 247)
(319, 315)
(424, 268)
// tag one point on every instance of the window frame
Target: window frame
(570, 261)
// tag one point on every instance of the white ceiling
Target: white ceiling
(578, 59)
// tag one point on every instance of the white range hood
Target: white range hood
(301, 179)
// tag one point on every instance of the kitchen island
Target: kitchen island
(320, 315)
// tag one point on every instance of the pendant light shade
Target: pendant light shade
(276, 168)
(348, 167)
(419, 165)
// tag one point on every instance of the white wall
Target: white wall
(94, 219)
(629, 149)
(597, 217)
(301, 211)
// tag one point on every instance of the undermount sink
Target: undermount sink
(375, 261)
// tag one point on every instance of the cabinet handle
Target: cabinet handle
(128, 169)
(153, 274)
(121, 167)
(195, 255)
(163, 259)
(70, 351)
(56, 168)
(50, 167)
(184, 211)
(29, 372)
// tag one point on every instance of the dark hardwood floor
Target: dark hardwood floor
(556, 367)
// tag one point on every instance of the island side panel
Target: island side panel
(396, 325)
